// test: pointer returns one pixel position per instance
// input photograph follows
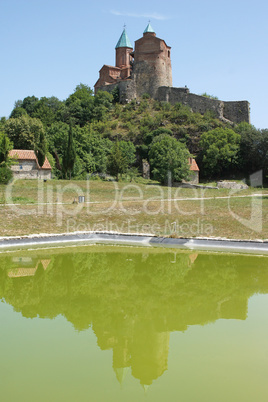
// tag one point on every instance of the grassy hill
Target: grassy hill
(134, 121)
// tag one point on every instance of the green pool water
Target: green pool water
(109, 323)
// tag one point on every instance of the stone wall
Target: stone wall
(127, 90)
(145, 169)
(33, 174)
(194, 179)
(44, 174)
(29, 170)
(199, 104)
(144, 78)
(232, 185)
(236, 111)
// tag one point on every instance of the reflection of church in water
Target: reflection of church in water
(133, 300)
(146, 352)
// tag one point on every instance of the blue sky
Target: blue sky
(219, 47)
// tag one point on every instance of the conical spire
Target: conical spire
(124, 40)
(121, 373)
(149, 28)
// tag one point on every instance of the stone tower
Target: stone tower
(152, 64)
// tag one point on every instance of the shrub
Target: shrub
(145, 96)
(5, 173)
(209, 96)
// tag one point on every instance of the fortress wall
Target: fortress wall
(127, 90)
(198, 104)
(145, 78)
(237, 111)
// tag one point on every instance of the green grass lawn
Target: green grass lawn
(31, 207)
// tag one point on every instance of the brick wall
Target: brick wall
(152, 65)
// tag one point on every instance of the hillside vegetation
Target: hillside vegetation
(104, 131)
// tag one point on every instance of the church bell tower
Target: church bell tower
(123, 57)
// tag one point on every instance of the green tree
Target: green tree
(252, 152)
(41, 149)
(57, 137)
(29, 104)
(2, 123)
(5, 161)
(117, 161)
(263, 153)
(147, 138)
(5, 173)
(219, 151)
(47, 110)
(103, 101)
(5, 146)
(18, 112)
(70, 154)
(93, 149)
(57, 140)
(79, 105)
(169, 158)
(52, 162)
(24, 131)
(128, 152)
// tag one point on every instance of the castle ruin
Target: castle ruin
(147, 69)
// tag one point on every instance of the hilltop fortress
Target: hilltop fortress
(147, 69)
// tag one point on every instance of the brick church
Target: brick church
(147, 69)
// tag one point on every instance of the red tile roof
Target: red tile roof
(193, 165)
(26, 154)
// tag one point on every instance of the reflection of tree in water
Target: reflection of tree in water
(133, 300)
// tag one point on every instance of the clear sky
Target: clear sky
(219, 47)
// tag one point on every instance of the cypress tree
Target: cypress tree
(70, 154)
(41, 149)
(5, 161)
(5, 147)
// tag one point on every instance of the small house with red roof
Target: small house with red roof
(27, 166)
